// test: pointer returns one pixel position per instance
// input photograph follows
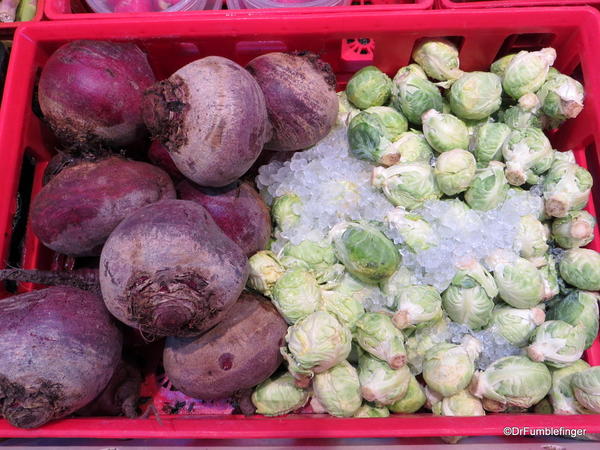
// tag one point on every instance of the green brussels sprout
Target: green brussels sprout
(277, 396)
(461, 404)
(527, 71)
(448, 368)
(488, 141)
(314, 344)
(445, 132)
(413, 93)
(422, 340)
(518, 116)
(369, 87)
(393, 121)
(415, 232)
(574, 230)
(296, 294)
(366, 411)
(552, 73)
(476, 95)
(578, 308)
(586, 387)
(499, 66)
(527, 151)
(285, 211)
(417, 306)
(413, 400)
(309, 255)
(379, 383)
(567, 188)
(580, 267)
(519, 282)
(557, 343)
(401, 278)
(407, 184)
(489, 187)
(561, 394)
(345, 308)
(516, 325)
(561, 97)
(438, 58)
(543, 407)
(338, 390)
(454, 171)
(549, 273)
(531, 239)
(265, 270)
(346, 111)
(359, 291)
(376, 334)
(365, 251)
(513, 381)
(411, 146)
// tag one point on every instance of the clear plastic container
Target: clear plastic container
(254, 4)
(139, 6)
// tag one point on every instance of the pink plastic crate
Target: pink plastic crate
(348, 41)
(469, 4)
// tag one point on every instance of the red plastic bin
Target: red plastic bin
(76, 9)
(469, 4)
(481, 35)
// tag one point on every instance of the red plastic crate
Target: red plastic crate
(481, 35)
(77, 9)
(469, 4)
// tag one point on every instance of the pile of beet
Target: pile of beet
(147, 188)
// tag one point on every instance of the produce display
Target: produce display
(408, 244)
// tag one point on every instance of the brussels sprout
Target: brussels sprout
(448, 368)
(413, 400)
(346, 309)
(580, 267)
(518, 118)
(561, 97)
(445, 132)
(376, 334)
(338, 390)
(415, 232)
(365, 251)
(489, 188)
(401, 278)
(307, 255)
(422, 340)
(566, 188)
(586, 387)
(461, 404)
(476, 95)
(513, 381)
(499, 66)
(519, 283)
(516, 325)
(411, 146)
(578, 308)
(359, 291)
(454, 171)
(367, 410)
(285, 211)
(413, 93)
(527, 72)
(561, 395)
(557, 343)
(407, 184)
(369, 87)
(549, 273)
(527, 151)
(265, 270)
(543, 407)
(277, 396)
(394, 122)
(379, 383)
(315, 344)
(576, 229)
(531, 238)
(417, 306)
(488, 141)
(438, 58)
(346, 111)
(296, 295)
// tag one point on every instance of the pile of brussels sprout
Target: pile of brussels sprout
(473, 137)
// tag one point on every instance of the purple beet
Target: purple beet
(78, 208)
(159, 156)
(58, 350)
(91, 93)
(237, 209)
(169, 270)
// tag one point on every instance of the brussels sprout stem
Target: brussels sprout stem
(493, 405)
